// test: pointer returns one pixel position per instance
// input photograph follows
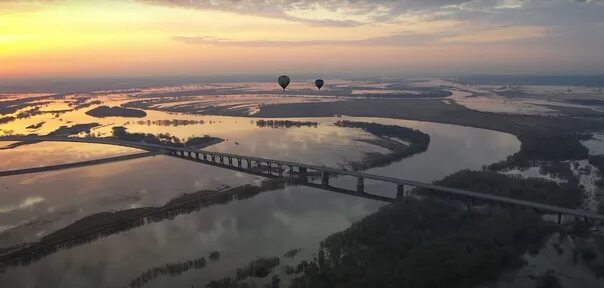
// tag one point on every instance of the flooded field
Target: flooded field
(265, 225)
(241, 228)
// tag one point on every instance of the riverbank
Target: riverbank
(103, 224)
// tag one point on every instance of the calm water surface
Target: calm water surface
(265, 225)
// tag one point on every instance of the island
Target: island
(106, 111)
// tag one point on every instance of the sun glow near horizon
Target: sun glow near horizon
(74, 38)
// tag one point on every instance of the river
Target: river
(268, 224)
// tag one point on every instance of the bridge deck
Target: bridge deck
(195, 155)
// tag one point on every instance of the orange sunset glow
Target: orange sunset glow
(114, 38)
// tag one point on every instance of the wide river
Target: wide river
(268, 224)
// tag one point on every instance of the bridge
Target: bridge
(302, 172)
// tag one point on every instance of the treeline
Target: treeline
(433, 243)
(567, 195)
(258, 268)
(173, 122)
(121, 133)
(424, 244)
(36, 126)
(22, 115)
(417, 142)
(73, 130)
(171, 269)
(545, 147)
(82, 102)
(285, 123)
(598, 162)
(103, 224)
(106, 111)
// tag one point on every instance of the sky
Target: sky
(111, 38)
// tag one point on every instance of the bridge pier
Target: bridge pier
(280, 167)
(559, 218)
(302, 173)
(249, 164)
(325, 178)
(360, 184)
(239, 162)
(230, 161)
(400, 191)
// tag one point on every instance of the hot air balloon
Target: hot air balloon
(284, 81)
(319, 83)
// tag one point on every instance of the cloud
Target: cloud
(391, 40)
(333, 12)
(499, 34)
(491, 35)
(358, 12)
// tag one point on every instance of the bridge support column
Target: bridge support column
(559, 218)
(290, 171)
(230, 161)
(249, 164)
(400, 191)
(214, 158)
(280, 167)
(325, 178)
(302, 173)
(361, 185)
(239, 162)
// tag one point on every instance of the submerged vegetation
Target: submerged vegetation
(292, 253)
(286, 123)
(258, 268)
(171, 269)
(425, 243)
(434, 243)
(598, 162)
(545, 147)
(173, 122)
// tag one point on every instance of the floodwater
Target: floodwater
(51, 153)
(266, 225)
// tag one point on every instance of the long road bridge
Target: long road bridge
(301, 173)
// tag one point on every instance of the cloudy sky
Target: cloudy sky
(89, 38)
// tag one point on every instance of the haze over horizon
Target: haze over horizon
(148, 38)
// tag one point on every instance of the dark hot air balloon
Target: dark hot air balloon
(319, 83)
(284, 81)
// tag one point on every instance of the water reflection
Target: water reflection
(268, 224)
(44, 154)
(75, 193)
(276, 221)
